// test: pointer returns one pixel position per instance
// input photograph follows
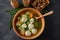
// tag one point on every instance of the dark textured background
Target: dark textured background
(52, 28)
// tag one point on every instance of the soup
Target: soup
(27, 25)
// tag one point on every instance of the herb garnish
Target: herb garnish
(12, 12)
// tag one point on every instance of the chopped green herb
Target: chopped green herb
(37, 24)
(20, 17)
(13, 11)
(10, 24)
(28, 17)
(20, 28)
(26, 29)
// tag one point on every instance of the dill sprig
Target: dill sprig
(12, 12)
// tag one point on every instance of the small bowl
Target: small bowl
(22, 11)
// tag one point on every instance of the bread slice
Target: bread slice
(26, 3)
(14, 3)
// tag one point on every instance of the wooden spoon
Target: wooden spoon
(46, 14)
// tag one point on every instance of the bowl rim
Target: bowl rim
(40, 32)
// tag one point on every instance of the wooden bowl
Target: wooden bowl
(22, 11)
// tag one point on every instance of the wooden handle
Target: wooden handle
(49, 13)
(46, 14)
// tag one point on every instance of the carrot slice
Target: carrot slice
(31, 15)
